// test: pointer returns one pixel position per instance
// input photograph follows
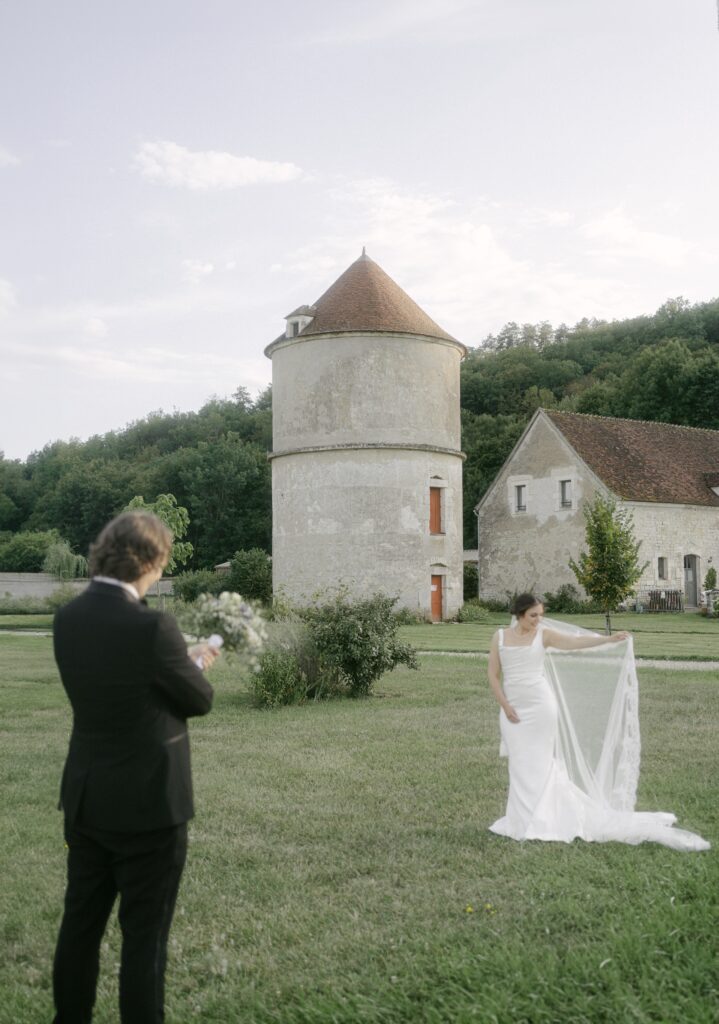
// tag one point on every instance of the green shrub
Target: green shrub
(251, 575)
(492, 604)
(710, 580)
(61, 563)
(568, 601)
(290, 667)
(357, 642)
(280, 680)
(187, 586)
(10, 605)
(470, 581)
(26, 551)
(472, 611)
(409, 617)
(60, 597)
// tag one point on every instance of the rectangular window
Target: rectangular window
(435, 510)
(520, 498)
(565, 493)
(662, 569)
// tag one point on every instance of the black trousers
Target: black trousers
(145, 869)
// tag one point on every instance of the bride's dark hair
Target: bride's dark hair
(522, 603)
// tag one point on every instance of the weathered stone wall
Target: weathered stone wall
(365, 388)
(530, 550)
(361, 518)
(32, 584)
(363, 425)
(671, 532)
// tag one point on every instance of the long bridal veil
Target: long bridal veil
(598, 742)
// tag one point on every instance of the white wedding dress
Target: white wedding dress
(574, 754)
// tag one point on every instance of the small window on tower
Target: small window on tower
(565, 493)
(520, 498)
(435, 510)
(662, 568)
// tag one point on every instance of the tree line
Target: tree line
(663, 367)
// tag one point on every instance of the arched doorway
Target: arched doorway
(691, 581)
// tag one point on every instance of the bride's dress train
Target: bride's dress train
(574, 754)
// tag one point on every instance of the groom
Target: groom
(126, 789)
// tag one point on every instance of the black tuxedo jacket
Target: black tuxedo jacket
(132, 687)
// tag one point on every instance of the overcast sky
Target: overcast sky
(178, 175)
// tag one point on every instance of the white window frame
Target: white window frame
(569, 483)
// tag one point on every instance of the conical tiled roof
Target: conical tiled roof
(364, 298)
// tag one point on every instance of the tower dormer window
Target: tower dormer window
(298, 320)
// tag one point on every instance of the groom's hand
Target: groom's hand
(203, 655)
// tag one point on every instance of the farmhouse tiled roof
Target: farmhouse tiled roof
(641, 461)
(364, 298)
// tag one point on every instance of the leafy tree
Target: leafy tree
(175, 517)
(62, 563)
(26, 551)
(227, 487)
(610, 568)
(251, 575)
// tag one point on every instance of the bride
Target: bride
(569, 725)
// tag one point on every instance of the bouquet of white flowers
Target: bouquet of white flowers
(231, 618)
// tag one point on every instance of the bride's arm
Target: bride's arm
(565, 642)
(495, 671)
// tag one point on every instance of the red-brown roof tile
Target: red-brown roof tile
(364, 298)
(641, 461)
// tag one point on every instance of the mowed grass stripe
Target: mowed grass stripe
(338, 847)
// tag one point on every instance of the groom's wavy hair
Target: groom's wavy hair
(129, 545)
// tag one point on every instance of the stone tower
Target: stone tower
(366, 466)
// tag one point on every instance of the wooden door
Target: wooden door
(436, 598)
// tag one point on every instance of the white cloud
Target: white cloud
(95, 327)
(470, 266)
(8, 159)
(7, 296)
(618, 238)
(391, 19)
(195, 270)
(170, 164)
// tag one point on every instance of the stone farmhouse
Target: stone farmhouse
(530, 521)
(367, 466)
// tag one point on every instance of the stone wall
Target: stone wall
(361, 519)
(671, 532)
(363, 425)
(530, 550)
(42, 584)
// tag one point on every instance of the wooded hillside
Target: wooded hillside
(662, 367)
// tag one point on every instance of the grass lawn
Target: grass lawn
(29, 622)
(341, 870)
(684, 636)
